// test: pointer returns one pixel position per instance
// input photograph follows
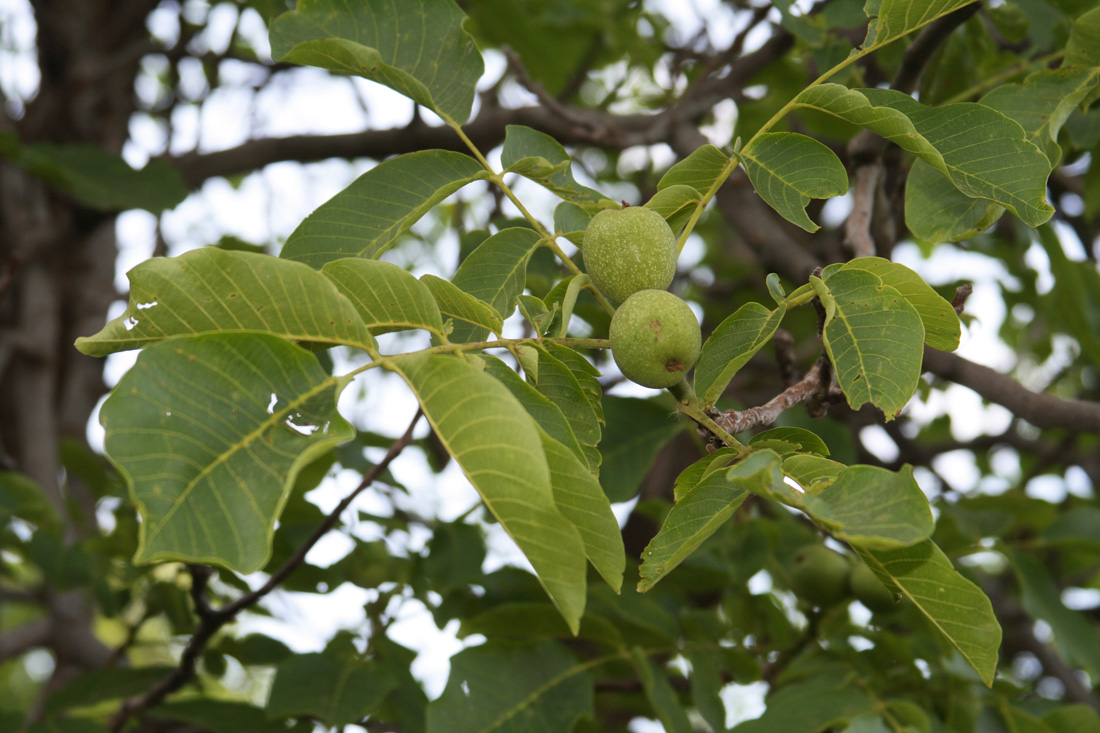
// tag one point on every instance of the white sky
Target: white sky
(269, 204)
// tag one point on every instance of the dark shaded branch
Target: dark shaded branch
(211, 620)
(24, 638)
(1041, 410)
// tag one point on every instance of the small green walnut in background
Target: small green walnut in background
(628, 250)
(819, 575)
(870, 591)
(655, 338)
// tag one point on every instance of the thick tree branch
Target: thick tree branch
(24, 638)
(211, 620)
(1041, 410)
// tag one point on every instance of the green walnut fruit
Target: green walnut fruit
(627, 250)
(870, 591)
(655, 338)
(819, 575)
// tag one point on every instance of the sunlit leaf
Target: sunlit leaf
(582, 501)
(731, 345)
(700, 170)
(387, 297)
(941, 323)
(536, 155)
(210, 432)
(416, 47)
(456, 303)
(210, 289)
(788, 169)
(676, 204)
(954, 605)
(873, 507)
(875, 340)
(367, 217)
(495, 273)
(701, 509)
(499, 449)
(510, 686)
(896, 18)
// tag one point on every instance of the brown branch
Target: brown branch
(211, 620)
(1041, 410)
(734, 421)
(857, 230)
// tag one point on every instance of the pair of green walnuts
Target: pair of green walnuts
(630, 254)
(824, 577)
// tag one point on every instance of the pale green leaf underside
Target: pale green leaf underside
(936, 211)
(896, 18)
(455, 303)
(495, 272)
(541, 158)
(942, 329)
(572, 391)
(788, 169)
(581, 499)
(873, 507)
(210, 432)
(368, 216)
(731, 345)
(211, 289)
(387, 297)
(676, 204)
(706, 499)
(984, 153)
(699, 170)
(500, 687)
(499, 449)
(416, 47)
(954, 605)
(875, 340)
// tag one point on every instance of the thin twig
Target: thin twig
(735, 421)
(211, 620)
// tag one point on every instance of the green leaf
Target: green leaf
(700, 170)
(701, 509)
(873, 507)
(1083, 47)
(367, 217)
(954, 605)
(495, 273)
(418, 48)
(209, 290)
(1074, 635)
(541, 158)
(1043, 102)
(662, 698)
(788, 169)
(96, 177)
(936, 211)
(456, 303)
(896, 18)
(635, 431)
(498, 447)
(941, 323)
(1073, 304)
(576, 393)
(548, 416)
(571, 220)
(582, 501)
(731, 345)
(875, 340)
(387, 297)
(511, 686)
(676, 204)
(564, 295)
(337, 686)
(807, 441)
(811, 706)
(1077, 718)
(23, 498)
(100, 685)
(220, 716)
(1079, 528)
(706, 686)
(984, 153)
(210, 432)
(812, 472)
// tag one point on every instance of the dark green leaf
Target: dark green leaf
(788, 169)
(536, 155)
(873, 507)
(635, 431)
(662, 698)
(731, 345)
(495, 273)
